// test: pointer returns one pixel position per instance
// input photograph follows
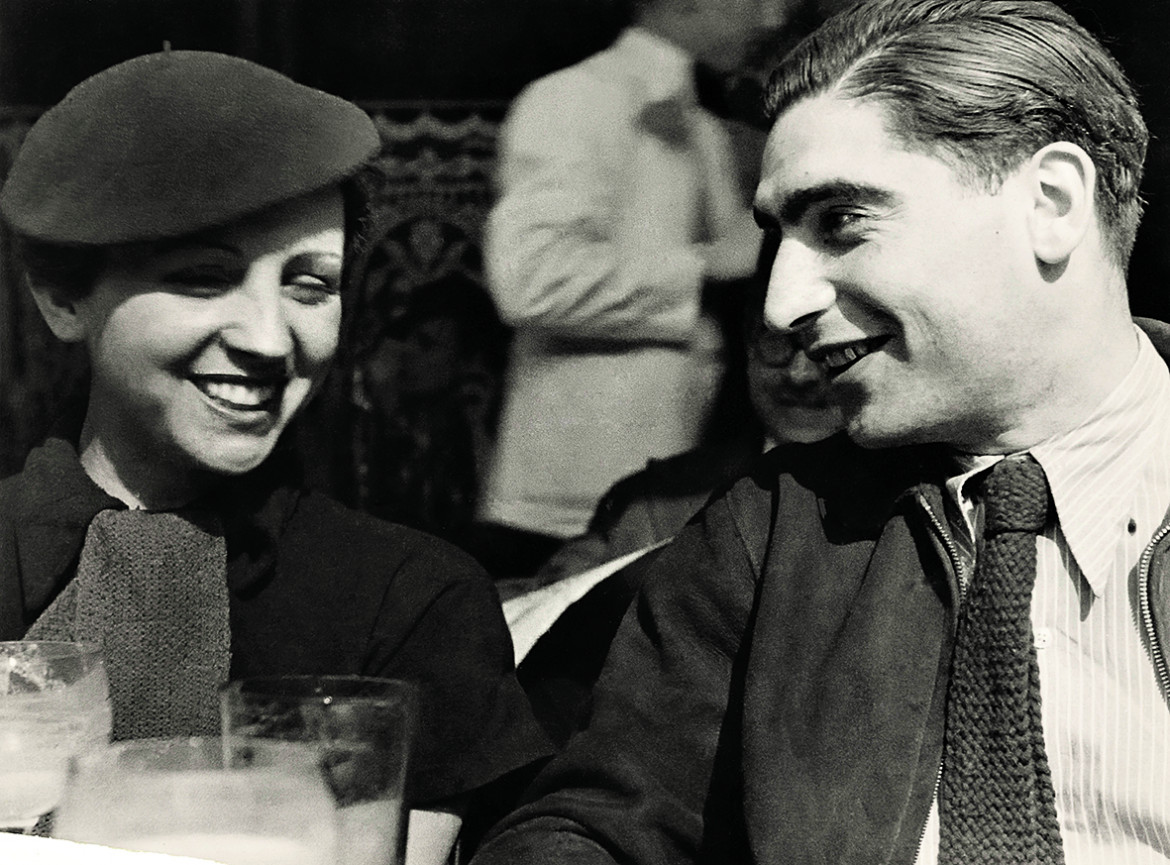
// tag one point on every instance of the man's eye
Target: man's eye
(841, 227)
(310, 289)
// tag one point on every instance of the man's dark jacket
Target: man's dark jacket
(776, 692)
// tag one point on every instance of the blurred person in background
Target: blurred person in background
(790, 398)
(619, 211)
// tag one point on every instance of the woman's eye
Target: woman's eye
(310, 289)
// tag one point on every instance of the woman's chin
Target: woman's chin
(232, 459)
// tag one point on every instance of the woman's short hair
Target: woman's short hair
(983, 85)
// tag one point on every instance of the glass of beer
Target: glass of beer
(259, 804)
(54, 703)
(362, 728)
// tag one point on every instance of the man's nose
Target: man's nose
(798, 290)
(258, 322)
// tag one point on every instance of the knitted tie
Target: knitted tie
(996, 802)
(151, 591)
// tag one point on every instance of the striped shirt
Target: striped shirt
(1106, 721)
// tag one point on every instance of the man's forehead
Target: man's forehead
(826, 140)
(827, 126)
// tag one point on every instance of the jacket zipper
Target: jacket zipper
(952, 550)
(1147, 614)
(960, 578)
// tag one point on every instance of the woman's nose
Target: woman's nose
(798, 290)
(258, 322)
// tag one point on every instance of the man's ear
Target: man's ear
(59, 311)
(1063, 181)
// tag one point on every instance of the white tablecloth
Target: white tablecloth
(31, 850)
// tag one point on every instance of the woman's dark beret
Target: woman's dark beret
(169, 144)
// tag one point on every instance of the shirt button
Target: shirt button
(1042, 638)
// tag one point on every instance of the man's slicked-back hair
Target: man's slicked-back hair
(983, 85)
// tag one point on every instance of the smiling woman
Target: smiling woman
(204, 348)
(186, 218)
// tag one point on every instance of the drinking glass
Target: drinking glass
(54, 703)
(362, 728)
(264, 803)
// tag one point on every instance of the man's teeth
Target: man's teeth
(244, 395)
(839, 357)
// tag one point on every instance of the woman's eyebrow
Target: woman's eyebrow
(194, 244)
(315, 257)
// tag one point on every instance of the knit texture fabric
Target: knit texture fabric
(996, 801)
(151, 590)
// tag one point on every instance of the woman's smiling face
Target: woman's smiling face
(204, 348)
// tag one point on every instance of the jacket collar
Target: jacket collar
(55, 504)
(862, 668)
(859, 489)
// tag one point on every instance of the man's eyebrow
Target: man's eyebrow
(795, 206)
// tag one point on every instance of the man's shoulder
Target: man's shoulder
(833, 479)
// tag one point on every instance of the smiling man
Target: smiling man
(940, 637)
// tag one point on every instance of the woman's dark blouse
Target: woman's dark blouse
(314, 588)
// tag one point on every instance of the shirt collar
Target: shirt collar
(1094, 468)
(664, 69)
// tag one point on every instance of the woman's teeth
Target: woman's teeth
(236, 394)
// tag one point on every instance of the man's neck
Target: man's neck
(1073, 390)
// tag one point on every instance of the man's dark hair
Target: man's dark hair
(983, 85)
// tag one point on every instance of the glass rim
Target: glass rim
(212, 747)
(331, 688)
(79, 647)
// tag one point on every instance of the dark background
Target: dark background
(359, 49)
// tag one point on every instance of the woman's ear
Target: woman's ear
(59, 311)
(1063, 181)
